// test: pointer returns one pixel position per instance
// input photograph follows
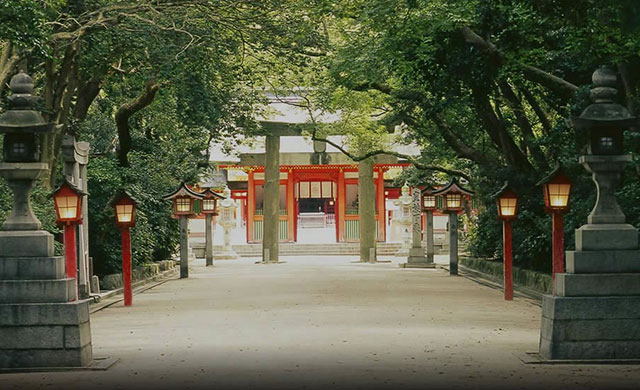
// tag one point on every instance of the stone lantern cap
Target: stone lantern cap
(604, 111)
(21, 117)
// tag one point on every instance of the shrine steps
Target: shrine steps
(296, 249)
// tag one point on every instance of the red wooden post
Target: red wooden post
(126, 266)
(70, 253)
(251, 205)
(558, 244)
(291, 214)
(508, 260)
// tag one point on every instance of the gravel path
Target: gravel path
(322, 323)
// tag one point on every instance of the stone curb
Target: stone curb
(106, 299)
(532, 296)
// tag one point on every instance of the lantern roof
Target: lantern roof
(121, 193)
(504, 190)
(67, 184)
(208, 193)
(452, 187)
(557, 175)
(21, 117)
(182, 191)
(428, 190)
(604, 111)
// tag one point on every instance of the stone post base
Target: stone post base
(226, 255)
(594, 313)
(417, 259)
(40, 323)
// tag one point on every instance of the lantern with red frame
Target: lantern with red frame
(124, 207)
(68, 204)
(507, 201)
(507, 204)
(557, 191)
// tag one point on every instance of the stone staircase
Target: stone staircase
(295, 249)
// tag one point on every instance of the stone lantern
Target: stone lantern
(210, 210)
(404, 202)
(227, 220)
(593, 312)
(417, 257)
(41, 322)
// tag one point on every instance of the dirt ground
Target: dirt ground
(322, 323)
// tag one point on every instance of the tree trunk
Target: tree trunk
(498, 132)
(87, 93)
(366, 209)
(535, 105)
(529, 138)
(9, 59)
(125, 112)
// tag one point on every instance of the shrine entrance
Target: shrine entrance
(318, 203)
(316, 217)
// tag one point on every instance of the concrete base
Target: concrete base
(597, 285)
(270, 262)
(97, 364)
(30, 243)
(229, 255)
(606, 237)
(417, 259)
(535, 358)
(597, 262)
(45, 335)
(40, 323)
(417, 265)
(585, 328)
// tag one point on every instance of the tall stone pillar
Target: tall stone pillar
(41, 323)
(270, 239)
(184, 246)
(366, 210)
(429, 234)
(417, 258)
(453, 243)
(208, 231)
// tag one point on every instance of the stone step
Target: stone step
(37, 291)
(31, 314)
(29, 243)
(584, 262)
(30, 268)
(589, 308)
(596, 285)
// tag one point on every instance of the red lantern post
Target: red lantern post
(507, 212)
(557, 191)
(125, 213)
(68, 205)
